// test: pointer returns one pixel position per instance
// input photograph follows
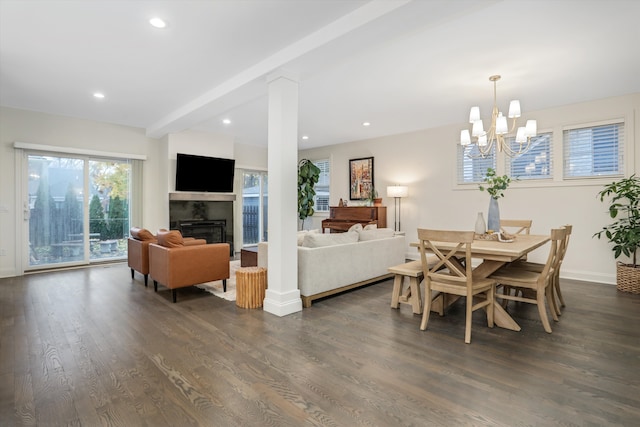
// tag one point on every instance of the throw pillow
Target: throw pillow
(301, 235)
(141, 234)
(375, 234)
(170, 239)
(355, 227)
(313, 240)
(371, 226)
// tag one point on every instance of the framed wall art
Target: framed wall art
(360, 178)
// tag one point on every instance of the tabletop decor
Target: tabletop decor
(624, 232)
(360, 178)
(495, 185)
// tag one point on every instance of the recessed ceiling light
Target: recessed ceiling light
(366, 124)
(305, 137)
(157, 22)
(226, 121)
(98, 95)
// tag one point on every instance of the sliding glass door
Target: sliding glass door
(77, 209)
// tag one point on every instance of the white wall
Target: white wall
(426, 162)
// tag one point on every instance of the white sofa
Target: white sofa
(332, 263)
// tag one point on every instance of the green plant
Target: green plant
(624, 232)
(373, 194)
(308, 176)
(495, 184)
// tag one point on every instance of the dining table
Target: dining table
(494, 255)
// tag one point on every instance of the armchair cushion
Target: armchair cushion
(170, 239)
(141, 234)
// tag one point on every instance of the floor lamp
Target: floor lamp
(397, 192)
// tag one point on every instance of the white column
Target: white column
(283, 296)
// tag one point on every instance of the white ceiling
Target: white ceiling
(401, 65)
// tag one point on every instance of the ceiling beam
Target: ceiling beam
(250, 83)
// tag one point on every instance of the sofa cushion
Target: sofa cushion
(313, 240)
(302, 233)
(170, 239)
(374, 234)
(356, 227)
(141, 234)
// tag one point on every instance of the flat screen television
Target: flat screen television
(204, 174)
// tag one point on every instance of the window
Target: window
(322, 187)
(594, 151)
(536, 163)
(255, 204)
(472, 167)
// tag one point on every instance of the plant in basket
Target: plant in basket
(624, 232)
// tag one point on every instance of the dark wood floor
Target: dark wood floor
(92, 347)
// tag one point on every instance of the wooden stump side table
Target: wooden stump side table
(251, 283)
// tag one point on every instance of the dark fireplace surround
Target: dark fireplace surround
(206, 216)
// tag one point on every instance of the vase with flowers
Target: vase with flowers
(495, 185)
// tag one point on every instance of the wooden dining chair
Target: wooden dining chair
(453, 275)
(515, 226)
(558, 300)
(538, 282)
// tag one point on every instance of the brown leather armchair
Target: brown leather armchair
(176, 263)
(138, 251)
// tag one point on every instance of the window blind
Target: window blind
(537, 162)
(471, 166)
(594, 151)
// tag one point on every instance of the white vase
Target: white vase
(481, 227)
(493, 219)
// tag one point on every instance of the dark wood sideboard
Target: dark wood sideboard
(342, 218)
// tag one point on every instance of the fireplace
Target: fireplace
(206, 216)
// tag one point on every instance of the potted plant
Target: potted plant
(308, 176)
(495, 186)
(624, 231)
(373, 198)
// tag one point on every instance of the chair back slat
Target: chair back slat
(451, 266)
(520, 226)
(554, 257)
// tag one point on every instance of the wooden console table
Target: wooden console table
(342, 218)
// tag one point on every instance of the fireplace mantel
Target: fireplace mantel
(202, 197)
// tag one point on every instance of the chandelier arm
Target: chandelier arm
(513, 125)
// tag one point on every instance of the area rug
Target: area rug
(216, 287)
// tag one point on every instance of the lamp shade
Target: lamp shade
(465, 137)
(501, 125)
(397, 191)
(514, 109)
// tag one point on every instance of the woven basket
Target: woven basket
(627, 278)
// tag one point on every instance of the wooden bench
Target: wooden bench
(412, 295)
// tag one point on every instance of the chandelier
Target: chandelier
(498, 131)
